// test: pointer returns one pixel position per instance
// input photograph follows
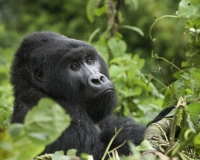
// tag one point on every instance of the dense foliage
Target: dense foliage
(127, 50)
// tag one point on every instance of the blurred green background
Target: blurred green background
(20, 17)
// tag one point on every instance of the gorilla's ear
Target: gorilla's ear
(38, 74)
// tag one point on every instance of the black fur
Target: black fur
(73, 74)
(162, 114)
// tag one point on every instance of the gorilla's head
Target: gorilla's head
(51, 65)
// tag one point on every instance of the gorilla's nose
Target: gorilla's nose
(97, 81)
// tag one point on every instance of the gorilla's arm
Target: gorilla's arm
(130, 131)
(162, 114)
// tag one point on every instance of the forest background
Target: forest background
(21, 17)
(123, 34)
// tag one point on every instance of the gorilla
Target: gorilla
(72, 73)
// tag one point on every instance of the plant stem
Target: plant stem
(156, 80)
(157, 19)
(169, 63)
(167, 82)
(111, 141)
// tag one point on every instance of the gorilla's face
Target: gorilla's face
(84, 74)
(70, 70)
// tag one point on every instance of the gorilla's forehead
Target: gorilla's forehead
(52, 46)
(71, 47)
(81, 51)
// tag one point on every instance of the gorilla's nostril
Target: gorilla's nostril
(102, 79)
(96, 81)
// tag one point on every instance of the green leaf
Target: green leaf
(179, 87)
(189, 24)
(197, 141)
(177, 75)
(196, 74)
(185, 64)
(117, 47)
(71, 152)
(133, 148)
(38, 137)
(187, 9)
(103, 50)
(59, 155)
(145, 146)
(43, 124)
(195, 24)
(100, 11)
(85, 156)
(186, 76)
(46, 121)
(191, 124)
(15, 129)
(194, 60)
(93, 35)
(136, 29)
(116, 71)
(182, 133)
(195, 2)
(24, 149)
(131, 92)
(189, 91)
(194, 109)
(91, 8)
(135, 2)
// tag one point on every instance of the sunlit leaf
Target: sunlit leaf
(47, 118)
(145, 146)
(117, 46)
(187, 9)
(71, 152)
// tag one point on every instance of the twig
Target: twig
(167, 82)
(157, 57)
(111, 141)
(147, 75)
(170, 148)
(117, 147)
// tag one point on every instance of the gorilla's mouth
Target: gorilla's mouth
(109, 90)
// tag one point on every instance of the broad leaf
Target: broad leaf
(187, 9)
(91, 8)
(46, 122)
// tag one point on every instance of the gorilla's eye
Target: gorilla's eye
(74, 66)
(89, 61)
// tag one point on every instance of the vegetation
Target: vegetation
(127, 50)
